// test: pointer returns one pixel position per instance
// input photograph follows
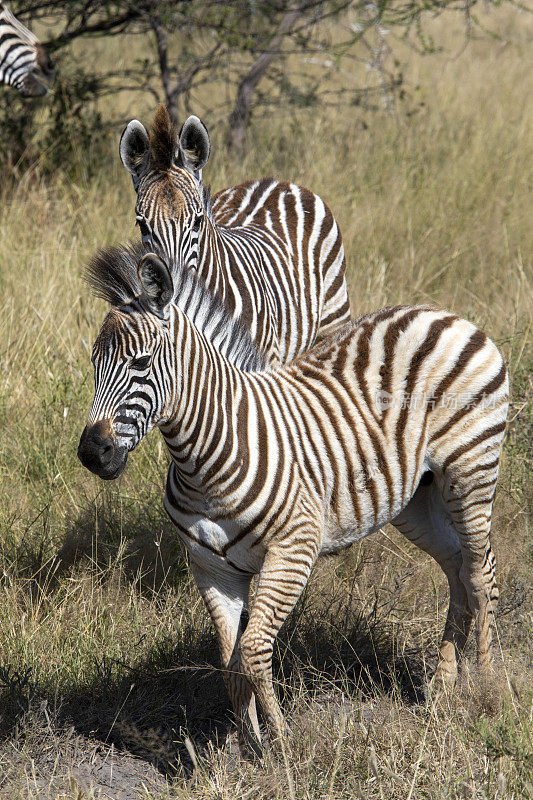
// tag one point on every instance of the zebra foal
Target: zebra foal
(398, 418)
(24, 62)
(270, 250)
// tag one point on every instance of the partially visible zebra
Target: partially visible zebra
(24, 62)
(398, 418)
(271, 251)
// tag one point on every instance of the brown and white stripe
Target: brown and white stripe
(271, 250)
(397, 418)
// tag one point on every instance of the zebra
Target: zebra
(271, 250)
(24, 62)
(398, 417)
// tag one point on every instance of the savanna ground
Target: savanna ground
(108, 666)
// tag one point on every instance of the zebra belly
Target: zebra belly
(335, 539)
(339, 539)
(342, 530)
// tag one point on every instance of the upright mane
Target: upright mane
(163, 140)
(112, 275)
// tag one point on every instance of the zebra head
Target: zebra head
(24, 62)
(167, 175)
(133, 357)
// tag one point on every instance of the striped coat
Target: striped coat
(24, 62)
(398, 418)
(272, 251)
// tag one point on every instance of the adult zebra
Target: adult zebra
(398, 418)
(24, 62)
(271, 251)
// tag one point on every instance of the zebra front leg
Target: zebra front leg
(284, 573)
(225, 596)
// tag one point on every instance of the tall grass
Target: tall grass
(103, 641)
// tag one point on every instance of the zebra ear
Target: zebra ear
(156, 282)
(134, 149)
(194, 145)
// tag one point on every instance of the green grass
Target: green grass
(106, 651)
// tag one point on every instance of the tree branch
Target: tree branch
(248, 84)
(104, 26)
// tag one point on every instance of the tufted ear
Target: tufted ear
(194, 145)
(134, 149)
(156, 282)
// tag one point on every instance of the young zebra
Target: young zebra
(271, 251)
(24, 62)
(398, 418)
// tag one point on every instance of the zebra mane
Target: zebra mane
(25, 34)
(112, 275)
(208, 202)
(163, 140)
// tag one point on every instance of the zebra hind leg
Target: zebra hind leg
(225, 599)
(468, 493)
(426, 522)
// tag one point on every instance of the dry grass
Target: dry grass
(108, 678)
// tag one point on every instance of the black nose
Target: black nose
(96, 447)
(99, 453)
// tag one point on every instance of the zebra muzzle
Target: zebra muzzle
(33, 85)
(100, 454)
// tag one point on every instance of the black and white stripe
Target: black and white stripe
(397, 418)
(271, 250)
(24, 62)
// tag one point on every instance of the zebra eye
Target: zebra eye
(140, 363)
(197, 222)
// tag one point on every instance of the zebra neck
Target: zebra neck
(207, 312)
(203, 420)
(17, 53)
(211, 262)
(231, 264)
(11, 25)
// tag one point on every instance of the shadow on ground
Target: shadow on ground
(146, 720)
(178, 692)
(140, 539)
